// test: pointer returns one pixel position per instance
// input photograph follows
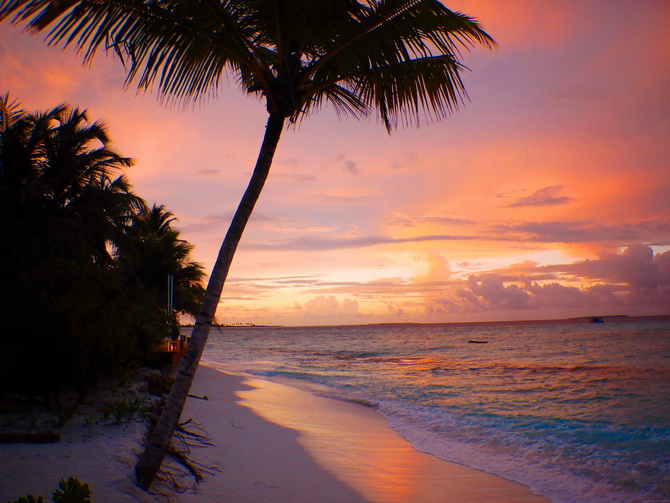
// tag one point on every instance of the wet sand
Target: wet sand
(274, 443)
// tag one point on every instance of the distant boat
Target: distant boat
(597, 319)
(478, 342)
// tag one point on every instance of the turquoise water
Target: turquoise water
(579, 412)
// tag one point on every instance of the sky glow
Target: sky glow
(546, 196)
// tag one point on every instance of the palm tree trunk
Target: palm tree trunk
(151, 459)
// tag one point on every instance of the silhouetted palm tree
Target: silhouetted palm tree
(399, 58)
(57, 184)
(150, 251)
(61, 205)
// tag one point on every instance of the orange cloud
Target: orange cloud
(563, 148)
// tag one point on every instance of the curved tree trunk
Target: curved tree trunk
(151, 459)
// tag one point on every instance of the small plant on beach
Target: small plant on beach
(29, 499)
(72, 491)
(159, 384)
(124, 409)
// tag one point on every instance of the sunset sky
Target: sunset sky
(546, 196)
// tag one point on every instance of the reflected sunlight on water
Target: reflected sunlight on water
(580, 412)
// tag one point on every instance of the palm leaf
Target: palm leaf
(398, 68)
(184, 45)
(10, 112)
(299, 54)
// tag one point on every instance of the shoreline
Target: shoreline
(270, 443)
(275, 443)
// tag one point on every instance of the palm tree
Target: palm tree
(150, 251)
(57, 183)
(147, 254)
(398, 58)
(61, 205)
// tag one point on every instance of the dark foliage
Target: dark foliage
(83, 273)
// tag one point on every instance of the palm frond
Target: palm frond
(10, 111)
(344, 101)
(429, 87)
(400, 57)
(403, 57)
(183, 46)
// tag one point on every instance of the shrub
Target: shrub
(29, 499)
(123, 409)
(70, 491)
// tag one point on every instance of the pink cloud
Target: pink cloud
(625, 281)
(489, 293)
(329, 307)
(637, 267)
(573, 108)
(547, 196)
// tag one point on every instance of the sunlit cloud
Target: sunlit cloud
(347, 165)
(634, 279)
(294, 177)
(539, 232)
(547, 196)
(325, 243)
(637, 266)
(544, 196)
(322, 307)
(207, 172)
(409, 221)
(585, 232)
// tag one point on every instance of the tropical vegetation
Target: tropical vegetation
(398, 59)
(84, 262)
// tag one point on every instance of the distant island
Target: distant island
(615, 318)
(238, 325)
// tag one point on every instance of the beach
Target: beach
(573, 410)
(270, 443)
(275, 443)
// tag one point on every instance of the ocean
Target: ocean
(577, 411)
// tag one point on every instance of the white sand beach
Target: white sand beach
(271, 443)
(102, 454)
